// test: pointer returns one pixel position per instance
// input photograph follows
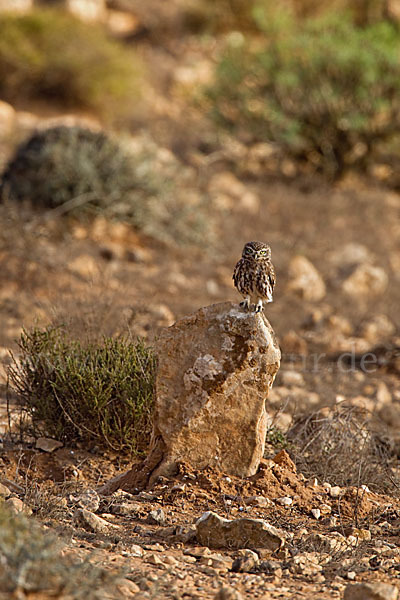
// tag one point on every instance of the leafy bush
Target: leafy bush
(99, 393)
(52, 55)
(78, 171)
(33, 562)
(323, 89)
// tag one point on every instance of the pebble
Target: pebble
(136, 551)
(92, 522)
(153, 559)
(88, 499)
(260, 501)
(126, 508)
(48, 444)
(15, 505)
(4, 491)
(335, 491)
(285, 501)
(157, 517)
(316, 513)
(228, 593)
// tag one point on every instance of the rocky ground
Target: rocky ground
(336, 251)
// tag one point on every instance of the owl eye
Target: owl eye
(263, 252)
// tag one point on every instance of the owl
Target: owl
(254, 275)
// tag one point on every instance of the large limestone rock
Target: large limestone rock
(215, 371)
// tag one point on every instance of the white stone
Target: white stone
(305, 280)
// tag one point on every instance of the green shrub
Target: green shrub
(86, 169)
(323, 89)
(96, 392)
(52, 55)
(78, 171)
(33, 562)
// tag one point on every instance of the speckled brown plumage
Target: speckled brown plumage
(254, 275)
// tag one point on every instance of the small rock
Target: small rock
(155, 547)
(15, 505)
(185, 533)
(197, 552)
(245, 564)
(228, 593)
(136, 550)
(247, 552)
(88, 499)
(271, 567)
(335, 491)
(126, 508)
(178, 487)
(366, 281)
(191, 560)
(157, 517)
(378, 328)
(153, 559)
(216, 532)
(305, 280)
(312, 482)
(170, 560)
(361, 534)
(92, 522)
(306, 564)
(229, 192)
(4, 491)
(292, 343)
(146, 496)
(292, 378)
(7, 120)
(316, 513)
(47, 444)
(285, 501)
(351, 575)
(350, 254)
(383, 395)
(127, 588)
(260, 501)
(332, 542)
(370, 591)
(84, 265)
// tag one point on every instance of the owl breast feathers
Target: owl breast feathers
(254, 275)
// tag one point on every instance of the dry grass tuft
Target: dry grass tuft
(343, 447)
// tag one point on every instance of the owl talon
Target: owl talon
(245, 304)
(259, 307)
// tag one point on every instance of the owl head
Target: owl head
(256, 251)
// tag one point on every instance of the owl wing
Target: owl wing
(239, 277)
(272, 277)
(236, 270)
